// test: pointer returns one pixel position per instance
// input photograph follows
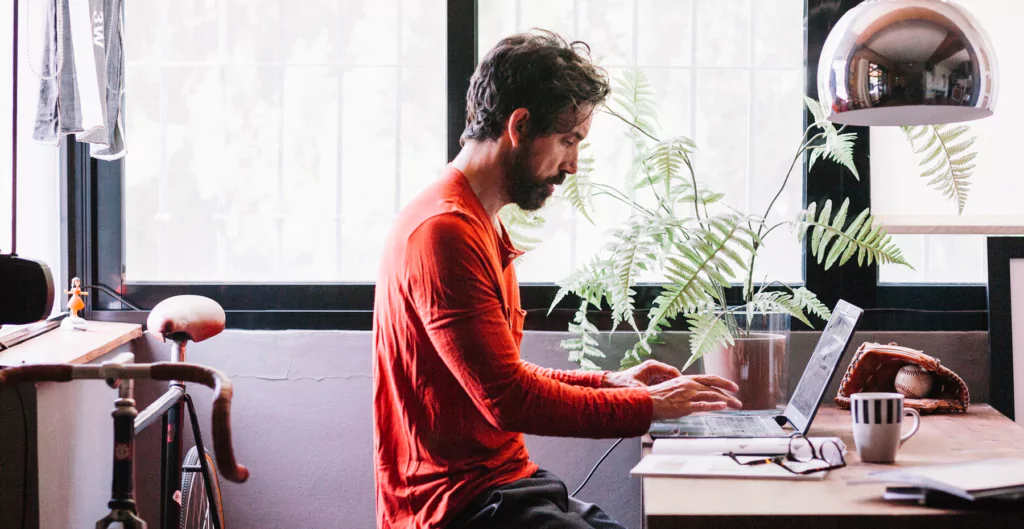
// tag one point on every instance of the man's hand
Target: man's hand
(691, 394)
(646, 374)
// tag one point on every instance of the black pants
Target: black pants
(540, 501)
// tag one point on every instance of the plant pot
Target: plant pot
(758, 361)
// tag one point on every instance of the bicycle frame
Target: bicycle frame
(169, 408)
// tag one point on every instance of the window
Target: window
(270, 145)
(273, 142)
(945, 246)
(729, 74)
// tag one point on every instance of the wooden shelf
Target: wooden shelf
(71, 347)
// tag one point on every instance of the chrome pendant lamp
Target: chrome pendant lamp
(907, 62)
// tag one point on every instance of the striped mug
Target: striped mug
(877, 424)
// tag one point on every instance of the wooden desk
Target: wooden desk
(981, 433)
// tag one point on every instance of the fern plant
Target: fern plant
(683, 230)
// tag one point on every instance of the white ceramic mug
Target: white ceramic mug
(877, 424)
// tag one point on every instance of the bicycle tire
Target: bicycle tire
(195, 507)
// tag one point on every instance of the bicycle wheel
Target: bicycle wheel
(195, 508)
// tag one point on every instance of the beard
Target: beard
(526, 189)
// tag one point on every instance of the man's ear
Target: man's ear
(518, 125)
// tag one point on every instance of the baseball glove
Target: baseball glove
(874, 368)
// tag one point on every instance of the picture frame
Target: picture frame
(1006, 323)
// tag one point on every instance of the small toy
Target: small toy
(913, 381)
(74, 322)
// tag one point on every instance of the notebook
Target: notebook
(971, 480)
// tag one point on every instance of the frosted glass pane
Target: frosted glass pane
(309, 31)
(723, 32)
(496, 19)
(779, 33)
(255, 31)
(667, 32)
(273, 141)
(423, 137)
(607, 25)
(723, 104)
(552, 15)
(193, 33)
(949, 259)
(368, 169)
(369, 32)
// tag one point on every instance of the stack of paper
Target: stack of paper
(752, 445)
(719, 467)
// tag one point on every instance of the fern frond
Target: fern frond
(665, 162)
(576, 189)
(809, 302)
(707, 331)
(862, 237)
(695, 269)
(777, 301)
(521, 225)
(634, 248)
(582, 345)
(838, 147)
(633, 98)
(589, 282)
(947, 157)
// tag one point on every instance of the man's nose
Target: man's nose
(570, 165)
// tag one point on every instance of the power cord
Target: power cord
(110, 292)
(591, 474)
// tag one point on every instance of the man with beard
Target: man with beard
(452, 397)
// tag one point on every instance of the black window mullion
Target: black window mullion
(830, 181)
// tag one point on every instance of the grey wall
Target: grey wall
(303, 422)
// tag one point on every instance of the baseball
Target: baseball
(913, 381)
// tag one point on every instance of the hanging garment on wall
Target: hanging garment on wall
(82, 76)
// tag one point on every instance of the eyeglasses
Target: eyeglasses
(800, 450)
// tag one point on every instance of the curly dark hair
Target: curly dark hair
(539, 71)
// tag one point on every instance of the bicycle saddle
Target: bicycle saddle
(181, 318)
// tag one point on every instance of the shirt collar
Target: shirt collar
(508, 250)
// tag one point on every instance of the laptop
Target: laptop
(800, 409)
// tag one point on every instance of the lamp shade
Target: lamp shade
(907, 62)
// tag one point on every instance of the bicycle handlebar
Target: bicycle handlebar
(209, 377)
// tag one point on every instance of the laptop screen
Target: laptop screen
(822, 366)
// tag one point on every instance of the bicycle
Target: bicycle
(180, 319)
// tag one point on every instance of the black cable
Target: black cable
(591, 474)
(110, 292)
(24, 481)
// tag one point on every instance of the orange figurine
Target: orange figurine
(74, 322)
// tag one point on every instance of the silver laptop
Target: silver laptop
(802, 406)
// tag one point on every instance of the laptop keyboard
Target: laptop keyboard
(737, 427)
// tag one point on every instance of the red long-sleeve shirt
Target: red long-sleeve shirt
(452, 397)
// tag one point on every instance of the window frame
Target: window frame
(92, 203)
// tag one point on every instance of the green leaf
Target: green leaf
(707, 331)
(869, 240)
(947, 157)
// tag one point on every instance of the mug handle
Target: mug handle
(917, 424)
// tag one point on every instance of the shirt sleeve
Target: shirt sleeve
(456, 293)
(577, 377)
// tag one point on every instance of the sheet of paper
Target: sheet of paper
(718, 467)
(714, 446)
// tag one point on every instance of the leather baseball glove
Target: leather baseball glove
(874, 368)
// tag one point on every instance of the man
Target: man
(452, 397)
